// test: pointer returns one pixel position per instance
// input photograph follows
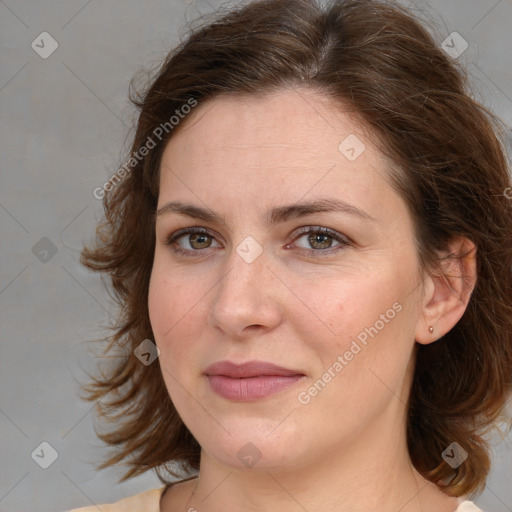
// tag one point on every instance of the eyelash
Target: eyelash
(343, 241)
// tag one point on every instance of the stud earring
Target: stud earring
(431, 330)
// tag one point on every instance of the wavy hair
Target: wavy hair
(449, 165)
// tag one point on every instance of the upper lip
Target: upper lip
(249, 369)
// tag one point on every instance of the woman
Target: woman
(311, 245)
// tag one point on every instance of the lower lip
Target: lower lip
(250, 388)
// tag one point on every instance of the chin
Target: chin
(250, 449)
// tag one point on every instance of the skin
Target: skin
(345, 450)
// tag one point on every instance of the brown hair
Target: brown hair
(449, 166)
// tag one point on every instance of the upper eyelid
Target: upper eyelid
(190, 231)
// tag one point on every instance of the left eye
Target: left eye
(197, 238)
(321, 239)
(202, 240)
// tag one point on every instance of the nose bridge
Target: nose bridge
(246, 272)
(243, 295)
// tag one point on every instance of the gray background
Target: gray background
(64, 120)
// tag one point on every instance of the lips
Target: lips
(250, 381)
(249, 369)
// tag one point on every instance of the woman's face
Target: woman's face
(262, 282)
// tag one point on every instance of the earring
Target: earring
(431, 330)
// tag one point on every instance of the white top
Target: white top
(468, 506)
(149, 501)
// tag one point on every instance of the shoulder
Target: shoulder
(149, 501)
(468, 506)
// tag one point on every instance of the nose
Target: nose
(247, 298)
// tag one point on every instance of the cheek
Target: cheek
(160, 302)
(345, 307)
(171, 299)
(167, 305)
(368, 322)
(176, 312)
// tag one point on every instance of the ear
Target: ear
(446, 296)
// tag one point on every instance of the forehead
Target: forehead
(296, 118)
(289, 143)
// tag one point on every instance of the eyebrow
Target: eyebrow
(274, 216)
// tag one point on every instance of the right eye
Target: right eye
(198, 239)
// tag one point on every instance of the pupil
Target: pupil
(197, 238)
(317, 238)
